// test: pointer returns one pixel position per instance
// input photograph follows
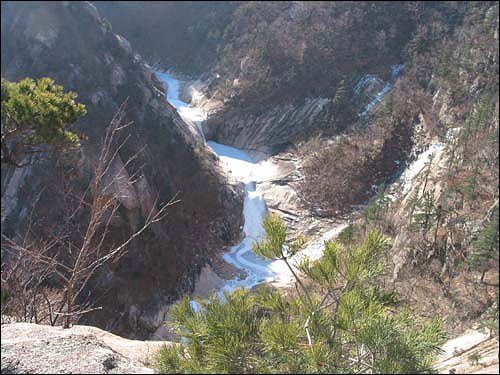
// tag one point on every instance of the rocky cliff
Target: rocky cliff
(271, 65)
(269, 131)
(272, 129)
(71, 43)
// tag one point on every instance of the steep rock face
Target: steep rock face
(272, 64)
(71, 43)
(272, 129)
(268, 132)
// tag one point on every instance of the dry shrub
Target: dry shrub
(343, 172)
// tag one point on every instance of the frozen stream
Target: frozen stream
(241, 165)
(246, 170)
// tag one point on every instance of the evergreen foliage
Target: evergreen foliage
(485, 248)
(339, 323)
(489, 320)
(35, 119)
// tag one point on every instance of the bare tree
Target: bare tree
(74, 253)
(24, 278)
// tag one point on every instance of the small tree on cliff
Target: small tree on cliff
(340, 323)
(35, 119)
(484, 253)
(79, 245)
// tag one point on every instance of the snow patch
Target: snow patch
(368, 79)
(189, 114)
(418, 165)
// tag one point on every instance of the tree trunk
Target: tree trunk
(69, 301)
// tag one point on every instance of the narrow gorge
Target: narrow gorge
(353, 144)
(256, 169)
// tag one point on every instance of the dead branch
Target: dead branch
(75, 255)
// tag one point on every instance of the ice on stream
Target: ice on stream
(367, 79)
(245, 169)
(418, 165)
(189, 114)
(242, 166)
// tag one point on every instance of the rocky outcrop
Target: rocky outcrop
(272, 129)
(267, 132)
(280, 191)
(32, 348)
(71, 43)
(474, 352)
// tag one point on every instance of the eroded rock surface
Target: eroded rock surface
(32, 348)
(474, 352)
(268, 132)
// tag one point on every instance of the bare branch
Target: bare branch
(75, 251)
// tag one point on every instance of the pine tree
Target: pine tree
(485, 248)
(35, 119)
(340, 322)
